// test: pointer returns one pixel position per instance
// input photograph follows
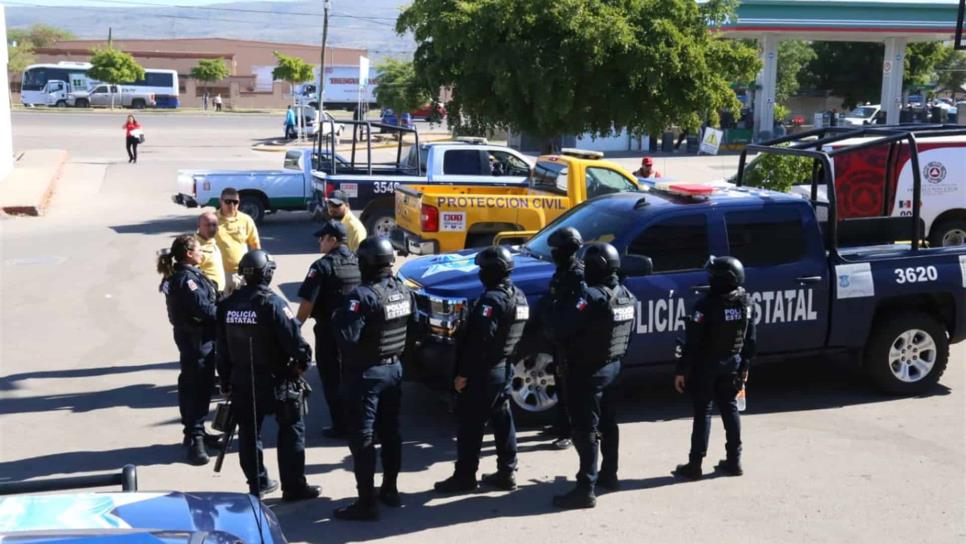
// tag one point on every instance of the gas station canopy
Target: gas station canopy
(893, 23)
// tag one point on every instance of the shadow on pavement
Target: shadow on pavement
(173, 225)
(8, 383)
(90, 461)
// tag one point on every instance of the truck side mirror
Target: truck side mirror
(636, 265)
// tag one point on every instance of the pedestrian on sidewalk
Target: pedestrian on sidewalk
(134, 135)
(218, 102)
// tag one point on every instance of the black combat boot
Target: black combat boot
(730, 466)
(576, 498)
(456, 484)
(305, 493)
(361, 510)
(197, 454)
(608, 482)
(389, 495)
(691, 470)
(501, 480)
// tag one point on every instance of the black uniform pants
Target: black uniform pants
(561, 420)
(373, 397)
(290, 444)
(591, 398)
(718, 389)
(485, 399)
(329, 361)
(197, 359)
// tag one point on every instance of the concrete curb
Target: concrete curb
(28, 188)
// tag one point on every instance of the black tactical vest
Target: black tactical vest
(607, 340)
(385, 333)
(346, 277)
(251, 337)
(513, 321)
(180, 316)
(727, 325)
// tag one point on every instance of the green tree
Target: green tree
(854, 70)
(551, 67)
(293, 70)
(397, 87)
(209, 70)
(38, 35)
(951, 71)
(793, 57)
(114, 66)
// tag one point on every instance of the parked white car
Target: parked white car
(862, 115)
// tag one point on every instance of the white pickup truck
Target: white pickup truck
(103, 94)
(261, 191)
(371, 187)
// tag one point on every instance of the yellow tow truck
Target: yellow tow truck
(434, 219)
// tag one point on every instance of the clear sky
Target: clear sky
(113, 3)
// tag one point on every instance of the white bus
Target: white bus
(49, 84)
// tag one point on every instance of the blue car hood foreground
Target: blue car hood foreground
(455, 275)
(137, 517)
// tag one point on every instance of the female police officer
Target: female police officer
(190, 298)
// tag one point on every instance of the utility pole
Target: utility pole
(110, 41)
(326, 4)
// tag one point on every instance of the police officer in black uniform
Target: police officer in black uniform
(261, 357)
(565, 284)
(494, 326)
(719, 343)
(594, 329)
(371, 328)
(190, 298)
(328, 281)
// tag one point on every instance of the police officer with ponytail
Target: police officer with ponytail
(594, 327)
(493, 328)
(371, 327)
(190, 298)
(719, 343)
(326, 284)
(261, 358)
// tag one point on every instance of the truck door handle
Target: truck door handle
(808, 279)
(701, 288)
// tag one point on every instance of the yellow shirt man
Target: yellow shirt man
(236, 236)
(355, 231)
(211, 263)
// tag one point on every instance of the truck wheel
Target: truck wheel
(907, 353)
(82, 103)
(381, 221)
(253, 206)
(61, 104)
(138, 104)
(951, 232)
(533, 387)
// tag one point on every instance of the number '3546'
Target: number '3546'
(916, 274)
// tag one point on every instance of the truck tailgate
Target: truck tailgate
(408, 208)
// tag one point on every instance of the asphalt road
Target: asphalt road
(88, 375)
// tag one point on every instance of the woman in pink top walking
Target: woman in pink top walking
(133, 134)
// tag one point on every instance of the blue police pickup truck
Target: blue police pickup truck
(866, 287)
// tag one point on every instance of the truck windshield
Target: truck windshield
(864, 112)
(595, 223)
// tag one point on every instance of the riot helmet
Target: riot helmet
(257, 267)
(375, 252)
(725, 274)
(601, 261)
(564, 242)
(495, 264)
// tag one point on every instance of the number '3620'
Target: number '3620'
(916, 274)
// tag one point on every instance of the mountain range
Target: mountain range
(360, 23)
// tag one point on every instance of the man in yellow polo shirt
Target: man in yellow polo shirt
(237, 233)
(338, 205)
(211, 264)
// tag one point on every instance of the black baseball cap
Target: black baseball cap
(332, 228)
(338, 197)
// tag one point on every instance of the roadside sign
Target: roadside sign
(711, 141)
